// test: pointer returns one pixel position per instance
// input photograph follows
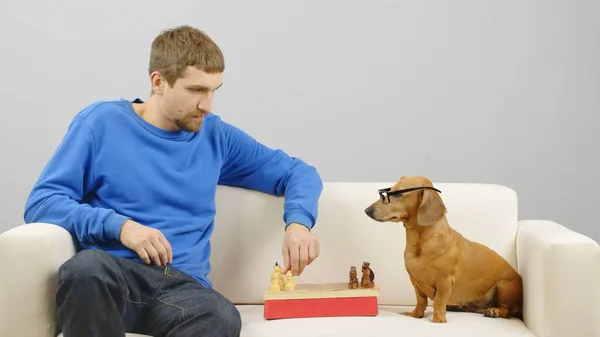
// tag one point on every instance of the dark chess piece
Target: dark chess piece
(367, 276)
(353, 284)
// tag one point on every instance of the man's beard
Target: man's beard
(190, 123)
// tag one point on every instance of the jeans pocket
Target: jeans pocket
(171, 271)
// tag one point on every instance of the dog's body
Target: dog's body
(454, 272)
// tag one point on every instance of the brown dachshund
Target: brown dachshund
(454, 272)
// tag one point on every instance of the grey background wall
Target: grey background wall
(461, 91)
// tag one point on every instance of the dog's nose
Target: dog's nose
(369, 210)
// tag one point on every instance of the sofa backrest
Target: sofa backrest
(248, 236)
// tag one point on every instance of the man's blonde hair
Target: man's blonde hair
(177, 48)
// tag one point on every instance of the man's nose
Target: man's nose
(205, 104)
(205, 107)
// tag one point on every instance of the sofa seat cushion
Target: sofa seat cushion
(389, 322)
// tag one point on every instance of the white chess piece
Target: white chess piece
(280, 275)
(275, 282)
(290, 283)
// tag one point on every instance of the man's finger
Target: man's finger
(303, 258)
(161, 250)
(294, 258)
(286, 258)
(152, 253)
(167, 246)
(143, 255)
(312, 252)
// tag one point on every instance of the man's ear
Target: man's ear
(431, 209)
(157, 82)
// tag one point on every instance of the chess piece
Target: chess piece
(353, 284)
(290, 283)
(280, 275)
(367, 276)
(275, 282)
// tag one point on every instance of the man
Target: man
(135, 182)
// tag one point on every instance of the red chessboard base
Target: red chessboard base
(321, 307)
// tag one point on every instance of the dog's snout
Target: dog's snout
(369, 210)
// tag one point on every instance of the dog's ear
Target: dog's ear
(431, 208)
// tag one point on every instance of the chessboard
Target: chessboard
(324, 290)
(321, 300)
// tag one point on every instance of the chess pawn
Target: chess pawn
(290, 281)
(275, 282)
(353, 283)
(368, 276)
(281, 281)
(280, 276)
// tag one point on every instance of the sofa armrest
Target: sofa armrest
(561, 274)
(30, 256)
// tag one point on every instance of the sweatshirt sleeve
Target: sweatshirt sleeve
(250, 164)
(59, 193)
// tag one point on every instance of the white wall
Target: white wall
(461, 91)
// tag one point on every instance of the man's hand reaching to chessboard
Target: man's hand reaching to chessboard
(300, 248)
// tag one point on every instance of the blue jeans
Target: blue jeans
(100, 295)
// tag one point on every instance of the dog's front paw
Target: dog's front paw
(491, 312)
(439, 318)
(414, 313)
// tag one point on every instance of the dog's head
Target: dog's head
(412, 200)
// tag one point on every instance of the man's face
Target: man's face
(190, 99)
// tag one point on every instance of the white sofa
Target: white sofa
(560, 268)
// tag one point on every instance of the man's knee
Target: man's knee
(228, 318)
(224, 319)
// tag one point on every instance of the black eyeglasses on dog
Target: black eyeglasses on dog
(385, 193)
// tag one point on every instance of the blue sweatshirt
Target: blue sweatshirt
(112, 165)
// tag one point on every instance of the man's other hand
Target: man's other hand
(300, 248)
(149, 243)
